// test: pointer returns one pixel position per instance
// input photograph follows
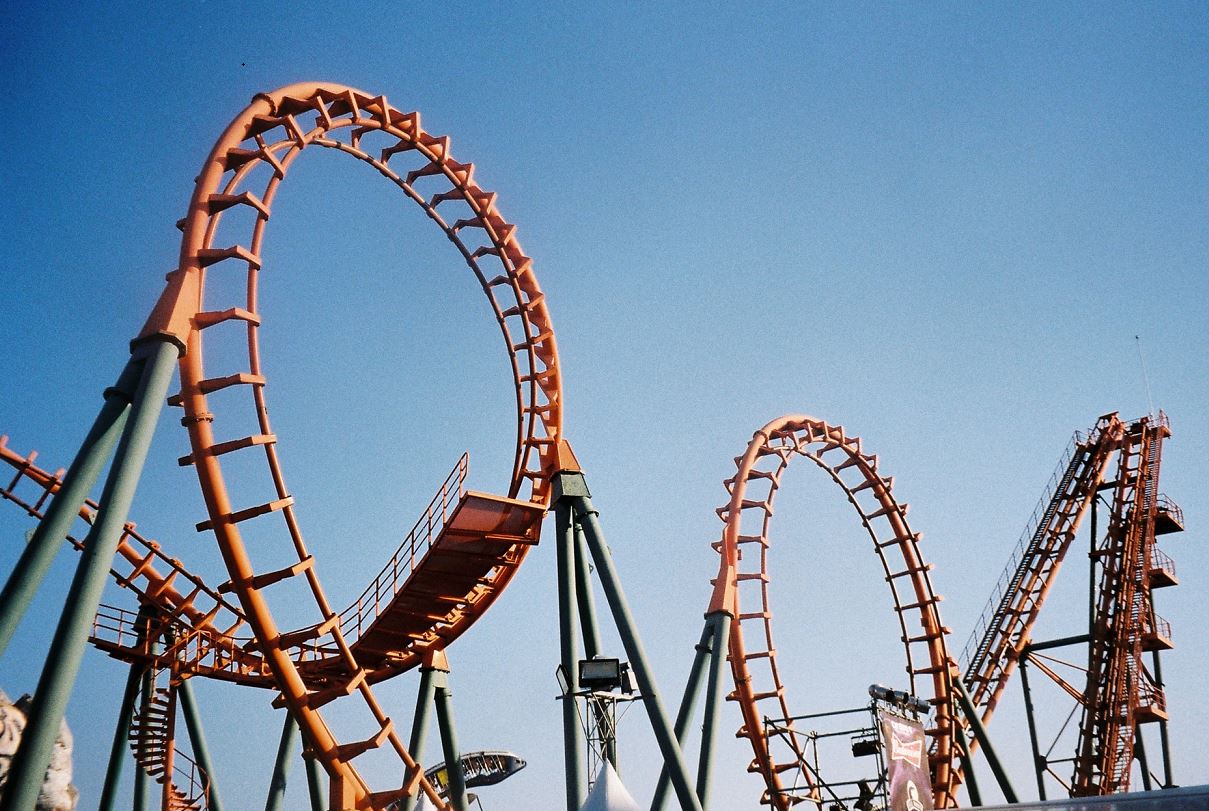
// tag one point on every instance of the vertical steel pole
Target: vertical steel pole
(572, 484)
(984, 740)
(449, 742)
(687, 702)
(1164, 741)
(314, 783)
(39, 553)
(118, 751)
(1091, 579)
(121, 733)
(967, 768)
(71, 637)
(1139, 748)
(419, 726)
(573, 738)
(591, 634)
(713, 699)
(140, 774)
(1038, 761)
(197, 739)
(281, 769)
(583, 597)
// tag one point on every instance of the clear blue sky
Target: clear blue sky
(941, 227)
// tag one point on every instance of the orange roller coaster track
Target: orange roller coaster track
(1119, 690)
(759, 688)
(458, 558)
(271, 133)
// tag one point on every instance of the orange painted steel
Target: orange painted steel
(265, 139)
(389, 626)
(211, 629)
(1120, 692)
(993, 650)
(759, 688)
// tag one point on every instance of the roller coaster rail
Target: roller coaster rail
(451, 567)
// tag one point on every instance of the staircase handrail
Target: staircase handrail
(1028, 539)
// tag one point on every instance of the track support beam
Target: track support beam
(442, 697)
(984, 740)
(688, 701)
(571, 491)
(314, 783)
(118, 751)
(197, 739)
(419, 723)
(156, 362)
(39, 553)
(281, 768)
(573, 738)
(713, 700)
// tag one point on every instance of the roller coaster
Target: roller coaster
(466, 547)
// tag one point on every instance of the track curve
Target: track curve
(261, 144)
(759, 687)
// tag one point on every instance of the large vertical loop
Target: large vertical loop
(259, 147)
(759, 683)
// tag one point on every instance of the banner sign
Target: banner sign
(904, 746)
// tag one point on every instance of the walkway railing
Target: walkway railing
(1041, 513)
(355, 619)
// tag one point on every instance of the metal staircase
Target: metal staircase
(1121, 692)
(153, 741)
(991, 654)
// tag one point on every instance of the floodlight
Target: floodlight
(863, 747)
(600, 674)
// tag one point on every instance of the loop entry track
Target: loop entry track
(260, 145)
(759, 687)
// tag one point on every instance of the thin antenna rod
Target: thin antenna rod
(1145, 376)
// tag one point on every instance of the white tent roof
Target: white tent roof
(608, 794)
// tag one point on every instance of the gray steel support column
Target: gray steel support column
(572, 486)
(314, 783)
(419, 727)
(713, 699)
(583, 597)
(687, 702)
(1164, 741)
(1039, 763)
(197, 739)
(1139, 749)
(119, 750)
(71, 637)
(573, 736)
(988, 751)
(590, 630)
(449, 742)
(37, 556)
(281, 769)
(140, 775)
(967, 768)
